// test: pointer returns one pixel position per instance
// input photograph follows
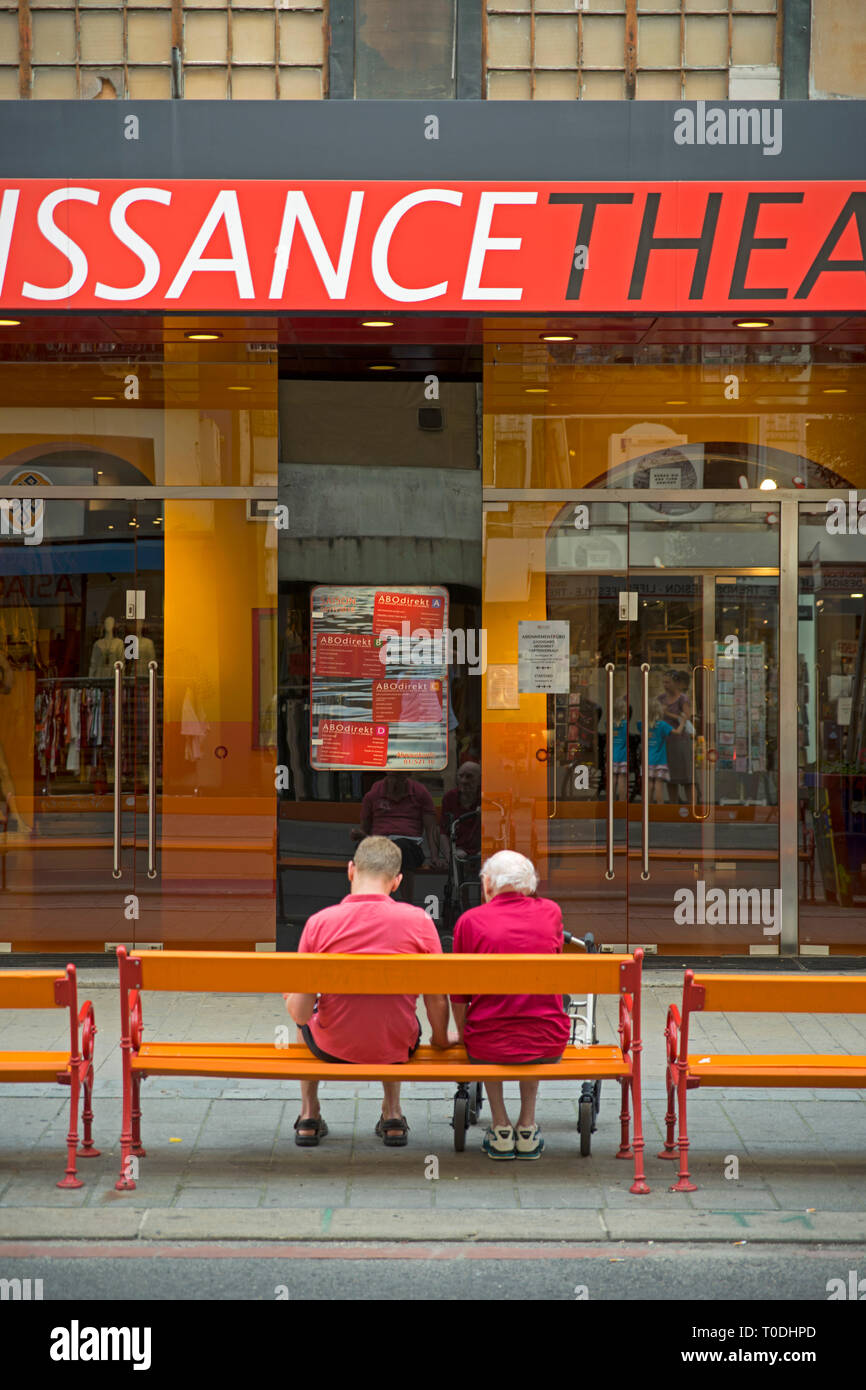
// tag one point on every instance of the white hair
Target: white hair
(508, 869)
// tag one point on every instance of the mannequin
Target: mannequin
(106, 650)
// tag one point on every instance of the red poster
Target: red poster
(475, 246)
(391, 610)
(351, 744)
(349, 655)
(407, 702)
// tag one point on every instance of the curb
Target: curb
(347, 1224)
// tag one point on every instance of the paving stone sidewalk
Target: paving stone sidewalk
(222, 1162)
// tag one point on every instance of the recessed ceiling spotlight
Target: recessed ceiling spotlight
(676, 402)
(557, 337)
(202, 337)
(377, 323)
(240, 388)
(102, 398)
(9, 323)
(536, 390)
(834, 391)
(753, 323)
(382, 367)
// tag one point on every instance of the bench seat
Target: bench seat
(428, 1064)
(34, 1066)
(790, 1069)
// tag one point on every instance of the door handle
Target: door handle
(151, 768)
(644, 771)
(705, 671)
(117, 872)
(609, 871)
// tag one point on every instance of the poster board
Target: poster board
(379, 677)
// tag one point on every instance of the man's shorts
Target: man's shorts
(323, 1056)
(412, 852)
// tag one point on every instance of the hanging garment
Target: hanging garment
(193, 728)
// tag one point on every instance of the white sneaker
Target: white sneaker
(529, 1143)
(499, 1142)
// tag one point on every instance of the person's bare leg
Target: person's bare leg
(310, 1101)
(498, 1114)
(528, 1096)
(391, 1101)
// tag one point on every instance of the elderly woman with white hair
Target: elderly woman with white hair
(512, 1029)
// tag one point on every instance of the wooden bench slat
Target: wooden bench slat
(32, 1066)
(296, 1063)
(244, 972)
(788, 1069)
(29, 989)
(810, 994)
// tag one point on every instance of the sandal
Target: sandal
(317, 1127)
(393, 1132)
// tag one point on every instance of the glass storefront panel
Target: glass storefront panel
(831, 725)
(165, 404)
(603, 621)
(384, 492)
(702, 415)
(137, 723)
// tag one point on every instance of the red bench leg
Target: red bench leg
(71, 1179)
(683, 1183)
(671, 1045)
(136, 1118)
(87, 1149)
(624, 1150)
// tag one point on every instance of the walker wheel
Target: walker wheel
(460, 1122)
(584, 1125)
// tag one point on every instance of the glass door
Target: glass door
(205, 841)
(663, 792)
(80, 586)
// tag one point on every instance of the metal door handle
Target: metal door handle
(118, 726)
(151, 768)
(704, 726)
(609, 668)
(644, 772)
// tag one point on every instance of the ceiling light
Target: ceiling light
(9, 323)
(102, 398)
(383, 367)
(377, 323)
(536, 390)
(202, 337)
(240, 388)
(676, 402)
(768, 485)
(835, 391)
(753, 323)
(855, 595)
(557, 337)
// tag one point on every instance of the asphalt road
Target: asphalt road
(428, 1273)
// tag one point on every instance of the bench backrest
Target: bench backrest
(768, 994)
(35, 989)
(248, 972)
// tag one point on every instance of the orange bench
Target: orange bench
(45, 989)
(214, 972)
(759, 994)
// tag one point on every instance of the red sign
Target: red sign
(349, 655)
(419, 611)
(352, 744)
(542, 247)
(407, 702)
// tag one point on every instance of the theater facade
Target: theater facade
(339, 439)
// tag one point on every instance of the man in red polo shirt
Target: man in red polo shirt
(367, 1027)
(402, 809)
